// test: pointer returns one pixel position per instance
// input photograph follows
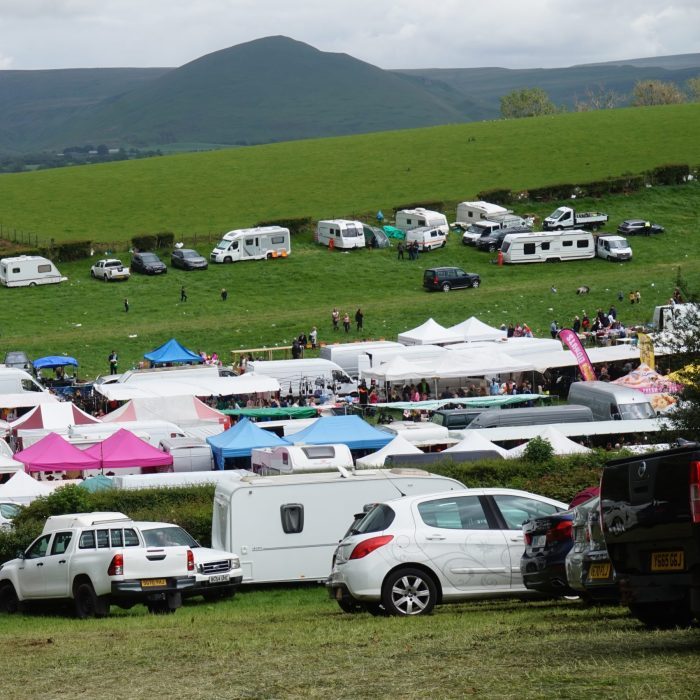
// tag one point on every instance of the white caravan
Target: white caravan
(305, 375)
(340, 233)
(28, 271)
(285, 528)
(293, 459)
(469, 212)
(407, 219)
(346, 355)
(259, 243)
(547, 246)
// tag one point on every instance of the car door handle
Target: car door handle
(434, 538)
(40, 563)
(517, 539)
(61, 561)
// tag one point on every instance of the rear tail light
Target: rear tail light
(435, 280)
(528, 538)
(116, 566)
(190, 560)
(560, 532)
(694, 480)
(368, 546)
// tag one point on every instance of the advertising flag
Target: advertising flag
(571, 340)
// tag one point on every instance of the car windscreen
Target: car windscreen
(9, 510)
(170, 536)
(378, 519)
(635, 411)
(149, 258)
(190, 254)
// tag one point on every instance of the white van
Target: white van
(406, 219)
(469, 212)
(305, 375)
(427, 238)
(547, 246)
(293, 459)
(611, 401)
(17, 381)
(285, 528)
(189, 454)
(340, 233)
(28, 271)
(259, 243)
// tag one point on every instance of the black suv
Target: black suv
(650, 511)
(148, 264)
(493, 241)
(446, 278)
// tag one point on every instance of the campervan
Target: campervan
(340, 233)
(189, 454)
(305, 376)
(28, 271)
(427, 237)
(292, 459)
(539, 415)
(549, 246)
(17, 381)
(346, 355)
(407, 219)
(285, 528)
(259, 243)
(611, 401)
(469, 212)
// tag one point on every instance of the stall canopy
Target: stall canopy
(53, 361)
(21, 488)
(124, 449)
(241, 440)
(398, 446)
(53, 453)
(181, 410)
(648, 381)
(559, 442)
(172, 352)
(352, 431)
(9, 465)
(99, 482)
(53, 416)
(474, 330)
(429, 333)
(26, 398)
(474, 441)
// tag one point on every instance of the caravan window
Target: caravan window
(567, 244)
(545, 245)
(529, 248)
(249, 241)
(15, 270)
(319, 451)
(277, 240)
(582, 243)
(292, 515)
(43, 268)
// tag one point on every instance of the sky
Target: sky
(45, 34)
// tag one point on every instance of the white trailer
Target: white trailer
(28, 271)
(547, 246)
(407, 219)
(261, 243)
(305, 375)
(294, 459)
(469, 212)
(285, 528)
(346, 355)
(340, 233)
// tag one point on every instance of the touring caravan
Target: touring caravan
(407, 219)
(340, 233)
(259, 243)
(28, 271)
(550, 246)
(292, 459)
(469, 212)
(285, 528)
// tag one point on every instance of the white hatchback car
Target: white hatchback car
(410, 554)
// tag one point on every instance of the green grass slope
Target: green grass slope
(218, 191)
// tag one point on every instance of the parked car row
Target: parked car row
(147, 263)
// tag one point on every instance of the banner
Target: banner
(571, 340)
(646, 349)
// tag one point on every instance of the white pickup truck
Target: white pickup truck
(566, 217)
(110, 270)
(95, 560)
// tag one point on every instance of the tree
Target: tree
(694, 89)
(648, 93)
(598, 97)
(528, 102)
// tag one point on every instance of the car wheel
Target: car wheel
(228, 259)
(409, 592)
(475, 283)
(9, 603)
(92, 274)
(32, 284)
(88, 604)
(446, 287)
(663, 615)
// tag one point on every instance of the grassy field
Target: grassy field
(271, 302)
(325, 178)
(297, 643)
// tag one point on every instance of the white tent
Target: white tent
(21, 488)
(473, 330)
(9, 465)
(559, 442)
(429, 333)
(398, 446)
(565, 358)
(26, 398)
(399, 369)
(474, 441)
(513, 346)
(480, 362)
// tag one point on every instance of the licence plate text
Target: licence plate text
(668, 561)
(598, 571)
(220, 578)
(539, 541)
(153, 582)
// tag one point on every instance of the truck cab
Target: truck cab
(615, 248)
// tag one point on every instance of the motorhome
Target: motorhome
(285, 528)
(544, 247)
(346, 355)
(28, 271)
(469, 212)
(340, 233)
(293, 459)
(611, 401)
(407, 219)
(305, 375)
(427, 237)
(261, 243)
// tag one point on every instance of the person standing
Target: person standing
(183, 293)
(400, 250)
(359, 318)
(126, 305)
(224, 294)
(637, 297)
(346, 322)
(313, 337)
(554, 329)
(576, 325)
(113, 360)
(335, 317)
(631, 297)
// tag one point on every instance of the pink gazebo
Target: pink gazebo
(124, 449)
(54, 453)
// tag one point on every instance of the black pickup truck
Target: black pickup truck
(650, 512)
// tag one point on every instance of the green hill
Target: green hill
(217, 191)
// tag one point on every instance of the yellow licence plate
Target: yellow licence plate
(598, 571)
(153, 582)
(667, 561)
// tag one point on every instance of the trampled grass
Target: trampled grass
(297, 643)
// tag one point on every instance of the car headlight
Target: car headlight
(235, 563)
